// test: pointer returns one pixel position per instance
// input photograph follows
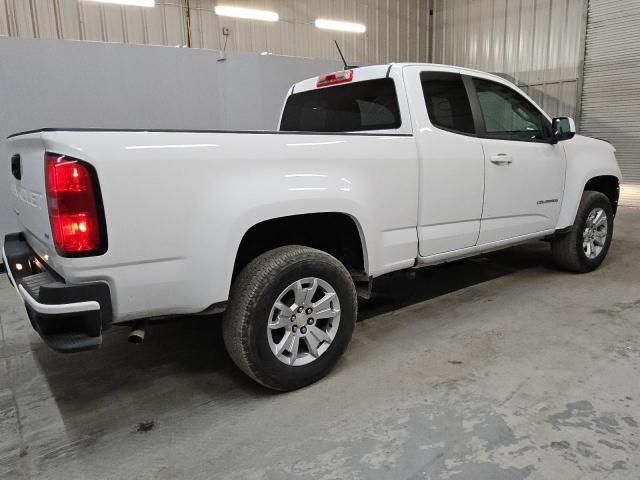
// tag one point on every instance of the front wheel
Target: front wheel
(290, 317)
(584, 248)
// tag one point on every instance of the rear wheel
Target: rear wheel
(584, 248)
(290, 317)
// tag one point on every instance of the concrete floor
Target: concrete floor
(495, 368)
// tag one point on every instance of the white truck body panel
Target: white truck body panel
(177, 204)
(587, 158)
(523, 196)
(175, 201)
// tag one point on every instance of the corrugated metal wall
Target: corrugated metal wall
(396, 29)
(611, 93)
(539, 43)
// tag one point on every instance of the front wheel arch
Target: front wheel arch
(608, 185)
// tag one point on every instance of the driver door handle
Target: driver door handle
(502, 159)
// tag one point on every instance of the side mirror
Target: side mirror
(563, 128)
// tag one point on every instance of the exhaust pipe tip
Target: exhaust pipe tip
(136, 335)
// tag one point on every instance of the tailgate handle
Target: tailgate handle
(16, 166)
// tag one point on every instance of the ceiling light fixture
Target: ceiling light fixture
(248, 13)
(133, 3)
(325, 24)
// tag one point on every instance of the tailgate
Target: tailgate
(28, 191)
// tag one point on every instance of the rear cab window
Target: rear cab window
(354, 107)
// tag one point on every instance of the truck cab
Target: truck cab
(490, 171)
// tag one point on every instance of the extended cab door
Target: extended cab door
(524, 171)
(451, 160)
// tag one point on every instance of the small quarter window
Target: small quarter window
(447, 101)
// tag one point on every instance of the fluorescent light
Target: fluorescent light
(249, 13)
(134, 3)
(342, 26)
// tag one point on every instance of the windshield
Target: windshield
(360, 106)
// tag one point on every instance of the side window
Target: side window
(447, 101)
(509, 115)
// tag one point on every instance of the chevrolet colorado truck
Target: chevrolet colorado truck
(372, 170)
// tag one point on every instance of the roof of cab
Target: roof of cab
(381, 71)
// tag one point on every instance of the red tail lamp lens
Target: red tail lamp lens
(73, 206)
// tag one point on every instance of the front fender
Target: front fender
(587, 158)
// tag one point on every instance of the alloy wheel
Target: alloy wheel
(303, 321)
(594, 236)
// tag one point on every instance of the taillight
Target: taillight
(335, 78)
(76, 218)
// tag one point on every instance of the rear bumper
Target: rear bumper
(69, 318)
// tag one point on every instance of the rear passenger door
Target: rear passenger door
(452, 166)
(524, 171)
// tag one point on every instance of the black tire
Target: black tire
(253, 294)
(567, 250)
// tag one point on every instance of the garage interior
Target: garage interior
(495, 367)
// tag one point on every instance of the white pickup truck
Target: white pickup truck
(373, 170)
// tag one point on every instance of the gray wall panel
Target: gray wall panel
(127, 86)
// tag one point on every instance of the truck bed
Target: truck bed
(173, 200)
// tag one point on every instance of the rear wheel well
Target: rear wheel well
(334, 233)
(609, 186)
